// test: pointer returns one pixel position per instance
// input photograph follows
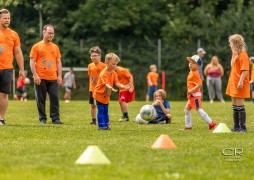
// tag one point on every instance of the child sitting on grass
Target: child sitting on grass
(162, 108)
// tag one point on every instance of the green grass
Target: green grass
(30, 150)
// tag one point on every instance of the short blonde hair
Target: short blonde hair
(153, 66)
(112, 56)
(95, 49)
(4, 11)
(162, 92)
(238, 42)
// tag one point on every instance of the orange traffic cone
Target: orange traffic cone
(163, 142)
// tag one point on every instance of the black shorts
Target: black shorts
(91, 99)
(21, 90)
(5, 80)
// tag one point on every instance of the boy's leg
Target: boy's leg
(236, 118)
(188, 124)
(92, 103)
(106, 116)
(100, 116)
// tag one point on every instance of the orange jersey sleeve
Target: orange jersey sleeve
(101, 93)
(46, 56)
(93, 72)
(153, 77)
(193, 79)
(241, 64)
(252, 73)
(8, 40)
(124, 77)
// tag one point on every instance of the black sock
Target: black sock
(94, 119)
(242, 117)
(125, 114)
(236, 116)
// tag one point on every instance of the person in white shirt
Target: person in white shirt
(69, 84)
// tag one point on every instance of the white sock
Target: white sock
(187, 118)
(205, 116)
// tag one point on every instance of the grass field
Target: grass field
(30, 150)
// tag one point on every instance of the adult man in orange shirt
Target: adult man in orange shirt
(46, 67)
(9, 45)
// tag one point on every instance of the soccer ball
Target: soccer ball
(27, 81)
(140, 120)
(147, 112)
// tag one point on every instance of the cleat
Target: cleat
(123, 118)
(243, 130)
(186, 129)
(235, 129)
(93, 123)
(104, 128)
(2, 122)
(212, 125)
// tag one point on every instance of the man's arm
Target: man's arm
(59, 71)
(20, 60)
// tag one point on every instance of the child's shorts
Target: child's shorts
(252, 87)
(195, 102)
(151, 90)
(126, 96)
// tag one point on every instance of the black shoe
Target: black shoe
(43, 121)
(104, 128)
(57, 122)
(2, 122)
(93, 123)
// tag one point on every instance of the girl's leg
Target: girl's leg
(241, 114)
(188, 124)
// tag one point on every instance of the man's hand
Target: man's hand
(59, 80)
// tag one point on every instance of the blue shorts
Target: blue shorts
(252, 87)
(151, 90)
(5, 80)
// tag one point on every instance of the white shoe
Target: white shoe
(67, 101)
(211, 101)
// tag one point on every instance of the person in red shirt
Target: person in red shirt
(21, 88)
(194, 95)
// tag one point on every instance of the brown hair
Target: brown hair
(111, 56)
(238, 42)
(95, 49)
(4, 11)
(46, 26)
(162, 92)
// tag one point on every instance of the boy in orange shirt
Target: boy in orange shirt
(194, 83)
(94, 70)
(238, 83)
(252, 79)
(125, 96)
(152, 81)
(103, 88)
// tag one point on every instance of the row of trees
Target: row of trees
(131, 29)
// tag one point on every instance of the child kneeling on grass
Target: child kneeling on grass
(194, 94)
(162, 108)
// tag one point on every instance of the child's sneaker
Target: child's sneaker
(235, 129)
(93, 123)
(186, 129)
(243, 130)
(123, 118)
(212, 125)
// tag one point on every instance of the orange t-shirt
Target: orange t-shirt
(252, 73)
(93, 72)
(241, 64)
(124, 77)
(153, 77)
(8, 40)
(193, 79)
(101, 93)
(46, 56)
